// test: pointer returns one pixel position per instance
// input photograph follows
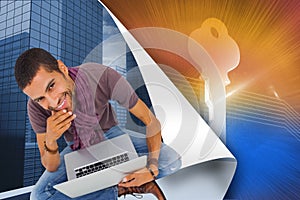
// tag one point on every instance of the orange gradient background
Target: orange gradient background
(267, 33)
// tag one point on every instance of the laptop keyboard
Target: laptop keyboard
(101, 165)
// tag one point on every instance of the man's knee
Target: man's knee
(34, 194)
(169, 169)
(169, 161)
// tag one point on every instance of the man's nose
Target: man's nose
(52, 101)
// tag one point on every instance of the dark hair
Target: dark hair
(29, 62)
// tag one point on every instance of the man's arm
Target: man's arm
(153, 137)
(50, 160)
(153, 129)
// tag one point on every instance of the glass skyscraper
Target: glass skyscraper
(69, 30)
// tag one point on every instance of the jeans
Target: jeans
(169, 162)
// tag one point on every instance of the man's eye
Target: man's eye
(38, 100)
(51, 86)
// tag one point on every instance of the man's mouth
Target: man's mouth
(62, 104)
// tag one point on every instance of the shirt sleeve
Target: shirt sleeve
(120, 90)
(37, 116)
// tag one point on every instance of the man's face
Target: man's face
(52, 90)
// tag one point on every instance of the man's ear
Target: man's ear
(62, 67)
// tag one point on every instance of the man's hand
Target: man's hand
(57, 124)
(137, 178)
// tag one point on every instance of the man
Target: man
(62, 103)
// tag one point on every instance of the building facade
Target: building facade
(69, 30)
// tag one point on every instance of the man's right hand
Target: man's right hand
(57, 124)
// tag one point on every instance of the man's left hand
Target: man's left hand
(137, 178)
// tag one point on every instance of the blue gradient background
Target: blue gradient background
(268, 164)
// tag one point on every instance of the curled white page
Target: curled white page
(207, 165)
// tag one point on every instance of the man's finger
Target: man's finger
(128, 178)
(67, 121)
(61, 118)
(128, 184)
(57, 114)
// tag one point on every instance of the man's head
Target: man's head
(44, 79)
(30, 62)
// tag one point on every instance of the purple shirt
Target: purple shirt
(107, 84)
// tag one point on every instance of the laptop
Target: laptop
(100, 166)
